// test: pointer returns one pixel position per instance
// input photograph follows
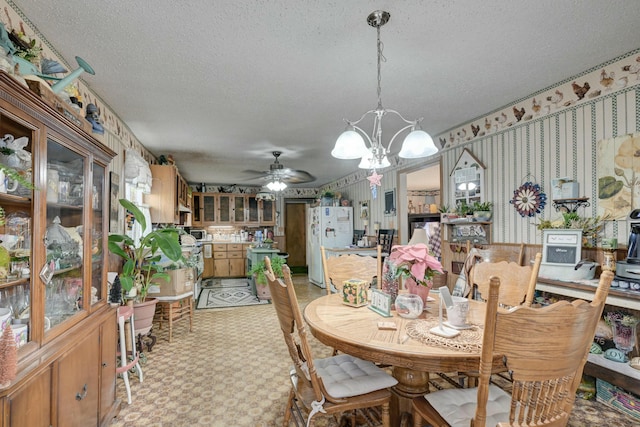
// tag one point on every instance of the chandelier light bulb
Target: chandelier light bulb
(350, 145)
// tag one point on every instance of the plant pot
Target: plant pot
(143, 313)
(263, 292)
(414, 288)
(483, 215)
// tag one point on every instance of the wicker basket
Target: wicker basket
(617, 398)
(439, 280)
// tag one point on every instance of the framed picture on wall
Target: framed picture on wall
(390, 202)
(114, 204)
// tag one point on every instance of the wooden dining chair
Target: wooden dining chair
(543, 350)
(518, 282)
(357, 235)
(517, 287)
(332, 385)
(343, 267)
(385, 239)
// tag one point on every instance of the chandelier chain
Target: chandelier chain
(381, 58)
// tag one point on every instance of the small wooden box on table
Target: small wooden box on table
(171, 309)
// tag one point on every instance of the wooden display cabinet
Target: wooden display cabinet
(55, 280)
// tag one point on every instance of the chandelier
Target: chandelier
(351, 144)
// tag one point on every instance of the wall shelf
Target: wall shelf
(571, 205)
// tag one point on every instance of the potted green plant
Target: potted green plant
(257, 272)
(327, 198)
(482, 211)
(591, 227)
(463, 209)
(140, 267)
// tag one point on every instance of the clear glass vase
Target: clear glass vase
(409, 305)
(624, 335)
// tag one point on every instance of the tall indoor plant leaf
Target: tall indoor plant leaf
(141, 258)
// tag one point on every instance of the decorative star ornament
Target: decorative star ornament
(374, 181)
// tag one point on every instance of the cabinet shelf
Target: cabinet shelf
(14, 282)
(10, 198)
(477, 232)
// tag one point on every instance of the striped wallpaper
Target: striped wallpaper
(561, 143)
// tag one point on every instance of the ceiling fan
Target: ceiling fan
(277, 172)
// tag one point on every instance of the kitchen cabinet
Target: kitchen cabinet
(207, 255)
(229, 260)
(203, 210)
(267, 212)
(168, 201)
(211, 209)
(224, 203)
(54, 277)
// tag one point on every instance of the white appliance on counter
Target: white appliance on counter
(328, 226)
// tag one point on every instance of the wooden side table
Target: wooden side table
(171, 309)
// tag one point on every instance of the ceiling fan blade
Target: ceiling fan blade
(298, 177)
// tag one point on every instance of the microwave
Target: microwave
(198, 234)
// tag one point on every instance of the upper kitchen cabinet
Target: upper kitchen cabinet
(53, 283)
(169, 200)
(267, 212)
(203, 209)
(211, 209)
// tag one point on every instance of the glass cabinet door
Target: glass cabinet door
(267, 211)
(224, 209)
(238, 209)
(63, 273)
(252, 216)
(97, 230)
(16, 227)
(196, 219)
(209, 208)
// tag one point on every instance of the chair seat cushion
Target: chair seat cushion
(346, 376)
(458, 406)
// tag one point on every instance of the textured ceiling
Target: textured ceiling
(221, 84)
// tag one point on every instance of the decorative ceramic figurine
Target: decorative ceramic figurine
(94, 118)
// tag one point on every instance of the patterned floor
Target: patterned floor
(232, 371)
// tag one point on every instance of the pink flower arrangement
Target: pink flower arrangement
(416, 262)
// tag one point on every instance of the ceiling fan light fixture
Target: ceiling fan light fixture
(351, 144)
(276, 185)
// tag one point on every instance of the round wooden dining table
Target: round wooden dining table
(356, 331)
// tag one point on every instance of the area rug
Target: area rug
(227, 297)
(225, 283)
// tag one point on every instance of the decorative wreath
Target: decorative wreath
(529, 199)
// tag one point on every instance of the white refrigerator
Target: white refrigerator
(328, 226)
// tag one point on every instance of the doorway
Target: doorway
(295, 228)
(422, 185)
